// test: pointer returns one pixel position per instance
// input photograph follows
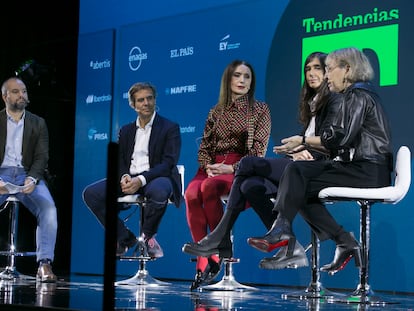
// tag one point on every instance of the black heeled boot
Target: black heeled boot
(285, 259)
(218, 241)
(346, 248)
(279, 235)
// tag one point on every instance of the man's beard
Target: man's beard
(18, 106)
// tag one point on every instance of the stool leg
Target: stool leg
(363, 293)
(14, 210)
(315, 288)
(10, 272)
(363, 289)
(228, 282)
(142, 276)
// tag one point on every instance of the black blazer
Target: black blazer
(35, 153)
(164, 152)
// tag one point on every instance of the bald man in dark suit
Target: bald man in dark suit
(24, 156)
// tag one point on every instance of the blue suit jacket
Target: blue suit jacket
(164, 152)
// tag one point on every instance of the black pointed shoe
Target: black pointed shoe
(198, 280)
(198, 249)
(279, 235)
(215, 268)
(205, 277)
(286, 258)
(205, 248)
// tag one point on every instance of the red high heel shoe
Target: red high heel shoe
(279, 235)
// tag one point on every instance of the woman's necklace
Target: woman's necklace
(312, 104)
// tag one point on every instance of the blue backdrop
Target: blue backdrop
(183, 49)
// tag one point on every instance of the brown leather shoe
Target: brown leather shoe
(45, 274)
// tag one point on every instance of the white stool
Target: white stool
(10, 272)
(366, 197)
(142, 276)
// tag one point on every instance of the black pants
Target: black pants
(157, 193)
(302, 180)
(256, 182)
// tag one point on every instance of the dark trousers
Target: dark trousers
(157, 193)
(256, 182)
(302, 181)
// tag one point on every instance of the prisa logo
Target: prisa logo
(94, 135)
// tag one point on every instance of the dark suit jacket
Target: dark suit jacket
(164, 152)
(35, 143)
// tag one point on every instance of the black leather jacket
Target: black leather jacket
(362, 131)
(324, 118)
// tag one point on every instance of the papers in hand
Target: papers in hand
(12, 188)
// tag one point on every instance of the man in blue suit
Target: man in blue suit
(149, 149)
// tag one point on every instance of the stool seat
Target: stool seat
(12, 198)
(130, 199)
(10, 272)
(366, 197)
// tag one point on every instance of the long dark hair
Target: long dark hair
(225, 86)
(307, 93)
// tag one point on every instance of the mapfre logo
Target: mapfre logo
(176, 90)
(135, 58)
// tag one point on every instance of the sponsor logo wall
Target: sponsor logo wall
(184, 57)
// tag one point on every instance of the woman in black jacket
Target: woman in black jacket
(361, 156)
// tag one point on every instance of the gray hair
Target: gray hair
(136, 87)
(360, 68)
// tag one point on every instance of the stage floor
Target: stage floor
(84, 292)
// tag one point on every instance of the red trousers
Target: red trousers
(204, 208)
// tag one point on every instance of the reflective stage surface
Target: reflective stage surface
(80, 292)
